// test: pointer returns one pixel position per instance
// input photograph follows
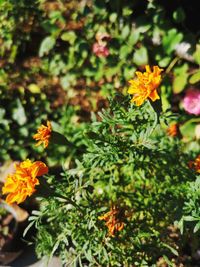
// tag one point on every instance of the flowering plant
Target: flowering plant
(117, 204)
(127, 172)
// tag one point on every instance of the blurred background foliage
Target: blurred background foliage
(49, 68)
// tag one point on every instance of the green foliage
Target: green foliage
(180, 80)
(171, 39)
(47, 44)
(191, 211)
(195, 77)
(54, 39)
(128, 161)
(121, 155)
(196, 54)
(18, 126)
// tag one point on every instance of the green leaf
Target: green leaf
(179, 15)
(46, 45)
(92, 135)
(180, 225)
(179, 84)
(28, 227)
(127, 11)
(180, 80)
(196, 54)
(134, 37)
(19, 113)
(140, 57)
(67, 80)
(195, 77)
(173, 250)
(60, 139)
(164, 62)
(34, 88)
(168, 261)
(113, 17)
(23, 153)
(109, 71)
(188, 128)
(171, 39)
(69, 36)
(197, 227)
(189, 218)
(125, 32)
(129, 72)
(142, 24)
(2, 113)
(124, 51)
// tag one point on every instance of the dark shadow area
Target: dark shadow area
(27, 258)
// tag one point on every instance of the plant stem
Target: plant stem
(68, 200)
(171, 65)
(49, 192)
(155, 119)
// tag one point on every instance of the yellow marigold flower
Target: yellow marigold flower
(22, 183)
(43, 134)
(195, 164)
(145, 84)
(113, 220)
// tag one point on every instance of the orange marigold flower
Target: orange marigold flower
(173, 130)
(43, 134)
(113, 220)
(145, 84)
(195, 164)
(22, 183)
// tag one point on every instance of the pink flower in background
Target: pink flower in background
(100, 50)
(191, 101)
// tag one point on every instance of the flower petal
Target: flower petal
(39, 168)
(154, 95)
